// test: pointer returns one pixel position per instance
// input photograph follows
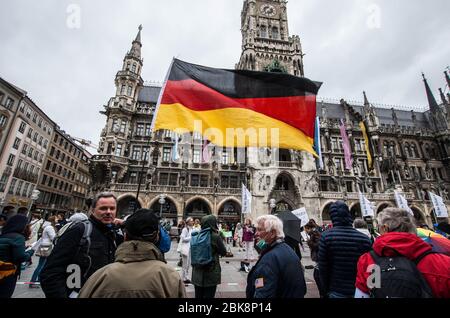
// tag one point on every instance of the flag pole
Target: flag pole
(152, 126)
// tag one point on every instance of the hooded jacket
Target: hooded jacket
(339, 251)
(139, 271)
(435, 268)
(210, 276)
(12, 242)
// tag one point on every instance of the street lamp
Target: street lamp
(273, 205)
(34, 197)
(162, 201)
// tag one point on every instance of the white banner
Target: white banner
(246, 200)
(440, 209)
(366, 206)
(302, 215)
(402, 203)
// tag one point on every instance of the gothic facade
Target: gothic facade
(411, 149)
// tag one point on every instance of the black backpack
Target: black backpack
(85, 241)
(400, 278)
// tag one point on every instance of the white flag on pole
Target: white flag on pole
(402, 203)
(440, 209)
(366, 206)
(302, 215)
(246, 200)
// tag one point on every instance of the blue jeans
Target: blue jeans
(337, 295)
(37, 271)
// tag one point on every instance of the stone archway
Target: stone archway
(167, 211)
(282, 206)
(418, 216)
(197, 208)
(126, 205)
(383, 206)
(285, 192)
(326, 213)
(355, 211)
(229, 212)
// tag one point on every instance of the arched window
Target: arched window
(386, 148)
(407, 150)
(275, 34)
(134, 68)
(122, 90)
(130, 90)
(263, 31)
(392, 150)
(414, 150)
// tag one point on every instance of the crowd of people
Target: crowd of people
(101, 256)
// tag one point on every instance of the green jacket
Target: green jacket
(211, 275)
(138, 272)
(12, 250)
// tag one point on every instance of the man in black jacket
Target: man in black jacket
(74, 259)
(339, 251)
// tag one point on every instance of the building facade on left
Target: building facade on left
(27, 136)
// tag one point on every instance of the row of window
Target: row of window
(56, 183)
(195, 180)
(20, 188)
(129, 90)
(37, 138)
(82, 178)
(9, 101)
(53, 199)
(33, 115)
(59, 155)
(68, 146)
(28, 167)
(3, 120)
(269, 32)
(28, 150)
(133, 67)
(337, 145)
(59, 170)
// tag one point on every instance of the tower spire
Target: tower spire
(447, 77)
(431, 100)
(138, 36)
(444, 100)
(366, 100)
(136, 45)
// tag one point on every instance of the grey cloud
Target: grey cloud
(70, 72)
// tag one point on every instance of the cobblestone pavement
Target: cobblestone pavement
(233, 284)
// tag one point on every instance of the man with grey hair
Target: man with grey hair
(408, 266)
(278, 272)
(90, 245)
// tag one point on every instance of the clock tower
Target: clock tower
(266, 44)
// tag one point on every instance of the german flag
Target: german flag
(223, 105)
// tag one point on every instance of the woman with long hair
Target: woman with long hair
(43, 248)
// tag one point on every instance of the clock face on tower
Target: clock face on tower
(268, 10)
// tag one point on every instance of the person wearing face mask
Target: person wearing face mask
(89, 244)
(278, 273)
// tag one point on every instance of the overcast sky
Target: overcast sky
(380, 46)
